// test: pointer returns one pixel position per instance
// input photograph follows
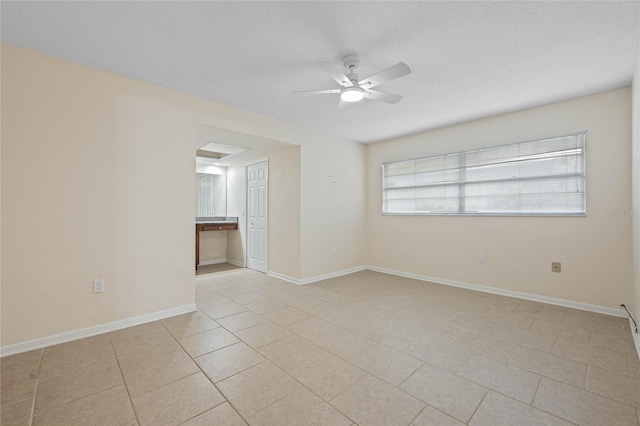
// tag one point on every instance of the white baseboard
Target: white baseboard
(332, 275)
(236, 263)
(511, 293)
(283, 277)
(68, 336)
(303, 281)
(212, 262)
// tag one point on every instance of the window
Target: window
(543, 177)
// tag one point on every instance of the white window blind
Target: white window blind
(543, 177)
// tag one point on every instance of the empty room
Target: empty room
(320, 213)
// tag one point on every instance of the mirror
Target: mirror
(212, 195)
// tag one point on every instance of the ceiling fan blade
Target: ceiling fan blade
(335, 73)
(398, 70)
(318, 92)
(342, 106)
(376, 95)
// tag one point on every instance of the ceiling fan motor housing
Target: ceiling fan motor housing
(351, 62)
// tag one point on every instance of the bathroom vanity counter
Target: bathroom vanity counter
(213, 224)
(216, 226)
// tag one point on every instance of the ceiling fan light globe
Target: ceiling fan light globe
(352, 94)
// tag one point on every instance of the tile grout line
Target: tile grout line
(278, 367)
(302, 386)
(204, 374)
(597, 394)
(626, 359)
(544, 411)
(33, 404)
(340, 393)
(585, 390)
(67, 371)
(508, 362)
(545, 375)
(124, 382)
(426, 405)
(77, 399)
(500, 392)
(586, 377)
(536, 392)
(478, 407)
(423, 363)
(35, 390)
(209, 409)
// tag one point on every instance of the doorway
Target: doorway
(257, 187)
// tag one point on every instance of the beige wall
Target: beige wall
(636, 190)
(81, 200)
(333, 215)
(284, 212)
(1, 46)
(213, 246)
(595, 251)
(236, 206)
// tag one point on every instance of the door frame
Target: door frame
(266, 218)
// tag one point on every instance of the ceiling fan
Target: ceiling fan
(353, 88)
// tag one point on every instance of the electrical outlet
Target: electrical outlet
(98, 286)
(555, 267)
(333, 251)
(482, 258)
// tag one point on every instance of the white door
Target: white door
(257, 217)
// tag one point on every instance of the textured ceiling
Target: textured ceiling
(469, 59)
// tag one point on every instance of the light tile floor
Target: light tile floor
(215, 268)
(365, 349)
